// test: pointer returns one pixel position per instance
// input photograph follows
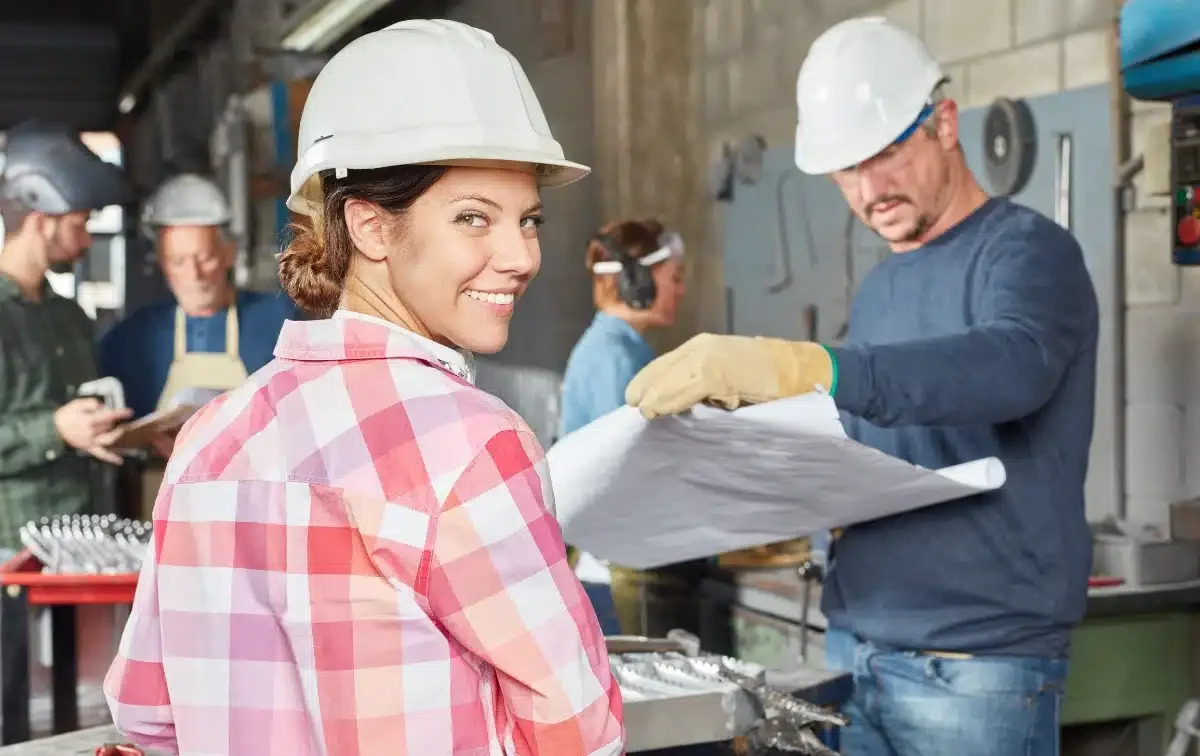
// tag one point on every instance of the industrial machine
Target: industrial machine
(1160, 61)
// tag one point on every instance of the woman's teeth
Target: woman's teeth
(491, 297)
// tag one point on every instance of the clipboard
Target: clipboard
(140, 433)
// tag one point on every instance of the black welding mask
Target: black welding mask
(49, 169)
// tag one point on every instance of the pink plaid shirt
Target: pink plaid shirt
(356, 553)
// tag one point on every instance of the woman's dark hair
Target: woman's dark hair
(314, 265)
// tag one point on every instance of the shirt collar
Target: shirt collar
(10, 290)
(355, 336)
(617, 325)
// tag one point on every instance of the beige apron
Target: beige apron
(204, 370)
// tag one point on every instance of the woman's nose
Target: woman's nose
(518, 256)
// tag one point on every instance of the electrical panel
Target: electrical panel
(1185, 180)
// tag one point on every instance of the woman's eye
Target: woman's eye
(474, 220)
(533, 221)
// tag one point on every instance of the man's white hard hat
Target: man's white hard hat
(186, 200)
(863, 86)
(422, 92)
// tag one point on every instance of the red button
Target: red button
(1189, 231)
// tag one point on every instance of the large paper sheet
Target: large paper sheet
(644, 494)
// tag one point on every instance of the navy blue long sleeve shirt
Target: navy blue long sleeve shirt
(981, 343)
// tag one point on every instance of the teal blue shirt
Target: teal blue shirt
(605, 359)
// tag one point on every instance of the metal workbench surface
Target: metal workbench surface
(1123, 600)
(778, 593)
(81, 743)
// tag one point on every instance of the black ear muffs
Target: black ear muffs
(635, 282)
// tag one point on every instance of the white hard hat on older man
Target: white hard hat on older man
(187, 199)
(863, 86)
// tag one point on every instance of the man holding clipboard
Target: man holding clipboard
(173, 356)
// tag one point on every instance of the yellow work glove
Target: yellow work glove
(729, 371)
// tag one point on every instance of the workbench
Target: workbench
(650, 725)
(79, 743)
(1132, 658)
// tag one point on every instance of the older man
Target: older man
(976, 338)
(50, 186)
(208, 335)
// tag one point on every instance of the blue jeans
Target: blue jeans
(600, 594)
(914, 704)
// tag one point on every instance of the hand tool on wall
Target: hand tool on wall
(810, 322)
(1062, 182)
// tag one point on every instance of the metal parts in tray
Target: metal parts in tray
(677, 698)
(87, 544)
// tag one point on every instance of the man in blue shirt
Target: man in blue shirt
(977, 338)
(207, 335)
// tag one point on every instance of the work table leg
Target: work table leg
(14, 665)
(64, 675)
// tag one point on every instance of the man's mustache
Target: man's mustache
(871, 208)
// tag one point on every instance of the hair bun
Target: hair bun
(304, 272)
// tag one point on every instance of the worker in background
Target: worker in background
(49, 437)
(208, 335)
(976, 338)
(637, 284)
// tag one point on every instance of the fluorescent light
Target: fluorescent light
(327, 25)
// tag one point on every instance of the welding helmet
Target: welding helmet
(865, 84)
(48, 169)
(186, 200)
(422, 92)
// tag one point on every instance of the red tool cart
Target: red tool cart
(24, 585)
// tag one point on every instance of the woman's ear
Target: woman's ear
(367, 228)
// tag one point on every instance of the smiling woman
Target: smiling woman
(358, 543)
(444, 251)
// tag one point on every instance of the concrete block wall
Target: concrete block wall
(740, 66)
(1162, 330)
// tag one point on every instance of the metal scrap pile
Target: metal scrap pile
(757, 717)
(87, 544)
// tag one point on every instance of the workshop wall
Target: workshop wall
(666, 102)
(1162, 351)
(553, 41)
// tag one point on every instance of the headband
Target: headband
(670, 245)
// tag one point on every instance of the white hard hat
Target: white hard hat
(862, 87)
(422, 92)
(186, 200)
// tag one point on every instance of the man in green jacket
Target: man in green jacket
(49, 437)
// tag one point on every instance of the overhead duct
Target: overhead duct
(324, 22)
(165, 50)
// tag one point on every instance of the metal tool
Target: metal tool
(810, 322)
(1187, 729)
(108, 390)
(676, 642)
(672, 699)
(1062, 182)
(810, 572)
(87, 544)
